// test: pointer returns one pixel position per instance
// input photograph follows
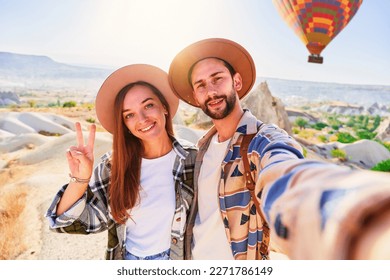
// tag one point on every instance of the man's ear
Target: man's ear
(196, 100)
(237, 81)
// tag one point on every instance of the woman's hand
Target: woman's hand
(80, 160)
(80, 157)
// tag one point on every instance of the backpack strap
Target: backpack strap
(262, 249)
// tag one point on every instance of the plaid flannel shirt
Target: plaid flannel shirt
(91, 213)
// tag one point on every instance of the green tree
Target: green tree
(319, 125)
(301, 122)
(377, 122)
(365, 121)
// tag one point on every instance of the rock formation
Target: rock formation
(266, 107)
(8, 98)
(383, 131)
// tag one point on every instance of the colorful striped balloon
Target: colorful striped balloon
(317, 22)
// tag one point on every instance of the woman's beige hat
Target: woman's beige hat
(231, 52)
(126, 75)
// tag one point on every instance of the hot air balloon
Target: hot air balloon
(317, 22)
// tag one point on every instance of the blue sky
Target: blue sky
(115, 33)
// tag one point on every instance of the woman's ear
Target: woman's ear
(237, 81)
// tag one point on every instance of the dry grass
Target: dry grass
(13, 199)
(12, 205)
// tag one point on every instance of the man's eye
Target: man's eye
(217, 79)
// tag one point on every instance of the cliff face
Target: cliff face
(266, 107)
(384, 131)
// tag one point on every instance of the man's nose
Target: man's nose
(210, 88)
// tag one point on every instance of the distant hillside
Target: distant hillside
(33, 66)
(299, 93)
(41, 72)
(20, 72)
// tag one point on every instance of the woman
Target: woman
(141, 192)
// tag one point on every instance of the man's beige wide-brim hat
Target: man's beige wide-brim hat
(230, 51)
(126, 75)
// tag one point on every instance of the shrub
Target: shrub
(333, 138)
(387, 145)
(365, 134)
(350, 123)
(47, 133)
(32, 103)
(377, 122)
(340, 154)
(69, 104)
(319, 125)
(91, 120)
(322, 138)
(304, 152)
(89, 106)
(305, 134)
(345, 137)
(382, 166)
(335, 126)
(295, 130)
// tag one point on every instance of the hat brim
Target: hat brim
(110, 88)
(231, 52)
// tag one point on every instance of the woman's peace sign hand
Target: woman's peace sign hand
(80, 157)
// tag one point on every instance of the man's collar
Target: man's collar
(246, 125)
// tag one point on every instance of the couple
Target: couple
(246, 184)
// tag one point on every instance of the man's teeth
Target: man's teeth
(215, 102)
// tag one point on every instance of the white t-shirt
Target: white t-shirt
(148, 232)
(210, 241)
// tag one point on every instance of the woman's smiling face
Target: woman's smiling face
(144, 114)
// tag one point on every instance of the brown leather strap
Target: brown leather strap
(250, 185)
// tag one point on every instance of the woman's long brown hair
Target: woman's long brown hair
(126, 158)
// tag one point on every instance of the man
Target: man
(314, 210)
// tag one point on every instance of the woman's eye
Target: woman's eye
(128, 116)
(150, 105)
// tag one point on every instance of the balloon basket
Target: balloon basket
(315, 59)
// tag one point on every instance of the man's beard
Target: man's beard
(230, 102)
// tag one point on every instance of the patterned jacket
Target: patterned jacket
(312, 207)
(91, 214)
